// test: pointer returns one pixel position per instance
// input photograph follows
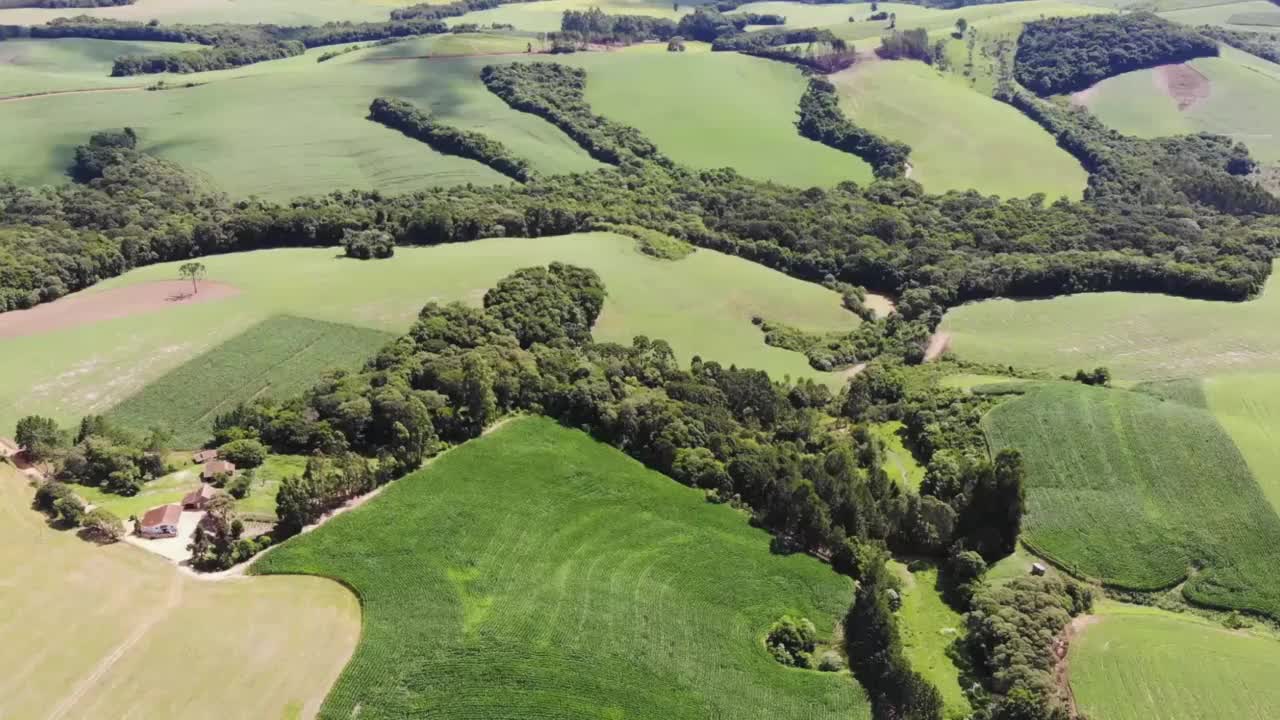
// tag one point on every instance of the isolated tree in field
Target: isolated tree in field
(961, 26)
(675, 44)
(195, 271)
(875, 6)
(893, 20)
(39, 435)
(70, 510)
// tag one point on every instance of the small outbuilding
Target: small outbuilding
(160, 522)
(214, 468)
(199, 498)
(204, 456)
(1038, 569)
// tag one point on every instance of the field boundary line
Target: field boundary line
(83, 91)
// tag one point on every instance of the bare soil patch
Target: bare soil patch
(83, 308)
(938, 344)
(1186, 85)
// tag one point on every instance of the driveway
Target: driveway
(174, 548)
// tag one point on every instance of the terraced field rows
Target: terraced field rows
(557, 578)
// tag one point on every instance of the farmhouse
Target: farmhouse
(204, 456)
(214, 468)
(160, 522)
(197, 499)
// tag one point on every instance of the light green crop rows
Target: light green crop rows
(279, 357)
(536, 573)
(1141, 492)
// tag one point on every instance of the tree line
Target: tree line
(447, 139)
(1265, 45)
(1061, 55)
(821, 119)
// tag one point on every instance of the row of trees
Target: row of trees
(822, 50)
(1262, 44)
(821, 119)
(447, 139)
(1060, 55)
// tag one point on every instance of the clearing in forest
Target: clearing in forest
(1136, 663)
(702, 305)
(279, 357)
(112, 632)
(930, 631)
(535, 572)
(1141, 492)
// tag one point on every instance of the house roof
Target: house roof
(204, 492)
(213, 467)
(204, 455)
(162, 515)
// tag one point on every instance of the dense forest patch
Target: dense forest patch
(1058, 55)
(599, 587)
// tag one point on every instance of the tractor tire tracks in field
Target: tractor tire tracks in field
(104, 666)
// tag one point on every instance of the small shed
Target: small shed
(160, 522)
(1038, 569)
(204, 456)
(199, 498)
(214, 468)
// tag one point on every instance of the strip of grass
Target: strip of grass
(1141, 493)
(1137, 663)
(901, 463)
(537, 573)
(930, 629)
(279, 357)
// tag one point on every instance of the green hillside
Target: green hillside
(537, 573)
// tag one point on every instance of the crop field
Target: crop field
(1247, 405)
(696, 109)
(1135, 663)
(1233, 15)
(279, 357)
(702, 305)
(31, 66)
(280, 12)
(959, 138)
(1243, 101)
(1138, 336)
(929, 628)
(268, 647)
(545, 16)
(1135, 491)
(940, 22)
(554, 577)
(217, 129)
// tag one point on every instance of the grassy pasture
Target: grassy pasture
(1137, 491)
(901, 464)
(110, 632)
(280, 12)
(554, 577)
(940, 22)
(318, 139)
(169, 489)
(1243, 102)
(929, 628)
(702, 305)
(712, 110)
(279, 357)
(1136, 663)
(959, 139)
(1234, 15)
(1138, 336)
(545, 16)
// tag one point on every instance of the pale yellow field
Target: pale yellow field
(114, 632)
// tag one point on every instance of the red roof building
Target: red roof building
(160, 522)
(214, 468)
(197, 499)
(204, 456)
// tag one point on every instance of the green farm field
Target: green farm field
(1134, 663)
(941, 22)
(277, 358)
(544, 16)
(1138, 336)
(702, 305)
(41, 66)
(1247, 405)
(554, 577)
(274, 645)
(1136, 491)
(713, 110)
(1243, 101)
(959, 139)
(280, 12)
